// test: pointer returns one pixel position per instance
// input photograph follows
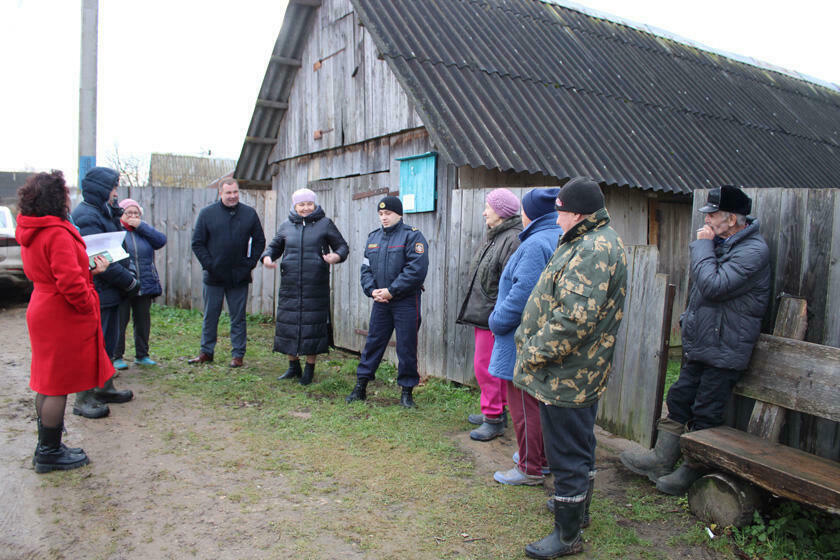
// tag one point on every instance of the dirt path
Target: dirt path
(165, 480)
(171, 480)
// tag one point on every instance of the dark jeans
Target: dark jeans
(403, 316)
(569, 438)
(140, 308)
(699, 397)
(236, 297)
(110, 317)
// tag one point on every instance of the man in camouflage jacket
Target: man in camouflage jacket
(565, 345)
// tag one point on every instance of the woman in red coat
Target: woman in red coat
(68, 351)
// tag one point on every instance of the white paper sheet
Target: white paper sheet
(107, 244)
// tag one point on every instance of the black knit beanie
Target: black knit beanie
(391, 203)
(580, 195)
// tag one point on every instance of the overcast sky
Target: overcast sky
(182, 76)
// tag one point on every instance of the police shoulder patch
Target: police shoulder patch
(419, 248)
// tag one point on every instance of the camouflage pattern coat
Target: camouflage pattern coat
(566, 340)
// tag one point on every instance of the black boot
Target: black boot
(359, 392)
(405, 399)
(678, 482)
(308, 373)
(655, 462)
(109, 394)
(565, 539)
(51, 455)
(89, 406)
(585, 521)
(292, 372)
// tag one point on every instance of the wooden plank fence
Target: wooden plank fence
(802, 229)
(173, 211)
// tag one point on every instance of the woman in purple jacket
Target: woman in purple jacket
(538, 241)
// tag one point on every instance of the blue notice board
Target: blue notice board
(418, 182)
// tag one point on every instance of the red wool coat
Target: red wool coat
(68, 351)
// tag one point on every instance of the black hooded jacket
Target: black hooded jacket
(303, 301)
(95, 215)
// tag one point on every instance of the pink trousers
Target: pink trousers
(493, 393)
(525, 413)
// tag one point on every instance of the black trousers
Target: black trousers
(569, 438)
(699, 397)
(110, 317)
(140, 308)
(402, 315)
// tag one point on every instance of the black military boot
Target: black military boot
(292, 372)
(51, 455)
(359, 392)
(109, 394)
(405, 399)
(655, 462)
(308, 373)
(89, 406)
(565, 539)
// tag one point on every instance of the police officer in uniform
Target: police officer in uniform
(393, 271)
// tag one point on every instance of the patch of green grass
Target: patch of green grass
(790, 532)
(387, 466)
(671, 374)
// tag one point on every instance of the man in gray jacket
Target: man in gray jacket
(730, 289)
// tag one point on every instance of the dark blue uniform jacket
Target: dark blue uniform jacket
(395, 258)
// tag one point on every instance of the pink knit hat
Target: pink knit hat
(304, 195)
(126, 202)
(503, 202)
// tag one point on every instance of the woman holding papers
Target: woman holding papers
(68, 354)
(141, 242)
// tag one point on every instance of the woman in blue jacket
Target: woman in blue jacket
(141, 242)
(523, 269)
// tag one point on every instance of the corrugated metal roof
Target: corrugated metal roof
(531, 86)
(539, 87)
(252, 168)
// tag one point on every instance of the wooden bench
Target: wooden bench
(783, 374)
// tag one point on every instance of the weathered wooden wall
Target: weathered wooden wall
(173, 211)
(641, 350)
(802, 229)
(343, 88)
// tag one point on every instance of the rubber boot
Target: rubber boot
(359, 392)
(292, 372)
(565, 539)
(678, 482)
(491, 428)
(655, 462)
(51, 455)
(478, 419)
(406, 399)
(587, 501)
(89, 406)
(109, 394)
(308, 373)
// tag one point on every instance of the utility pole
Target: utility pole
(87, 88)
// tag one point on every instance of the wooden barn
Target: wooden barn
(443, 100)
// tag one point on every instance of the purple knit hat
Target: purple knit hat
(503, 202)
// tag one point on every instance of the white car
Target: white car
(11, 267)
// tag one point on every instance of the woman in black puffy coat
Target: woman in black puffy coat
(308, 243)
